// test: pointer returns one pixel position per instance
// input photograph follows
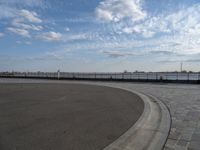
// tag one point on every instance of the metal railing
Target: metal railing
(138, 76)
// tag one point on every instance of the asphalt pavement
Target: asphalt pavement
(53, 116)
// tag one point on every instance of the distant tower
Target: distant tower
(181, 66)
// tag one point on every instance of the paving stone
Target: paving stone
(197, 131)
(186, 134)
(184, 109)
(192, 149)
(177, 123)
(183, 143)
(178, 147)
(198, 124)
(174, 134)
(186, 137)
(194, 145)
(167, 148)
(196, 137)
(170, 143)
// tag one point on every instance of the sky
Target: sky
(99, 35)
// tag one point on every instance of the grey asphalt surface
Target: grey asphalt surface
(64, 116)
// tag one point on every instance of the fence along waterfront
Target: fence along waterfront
(144, 76)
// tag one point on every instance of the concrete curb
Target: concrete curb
(150, 132)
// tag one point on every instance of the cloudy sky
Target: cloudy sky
(99, 35)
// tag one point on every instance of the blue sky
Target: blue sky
(99, 35)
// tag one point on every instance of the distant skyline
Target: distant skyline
(99, 35)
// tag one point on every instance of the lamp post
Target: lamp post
(181, 66)
(58, 74)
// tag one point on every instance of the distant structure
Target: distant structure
(181, 67)
(58, 72)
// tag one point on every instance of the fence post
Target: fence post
(156, 76)
(147, 76)
(58, 73)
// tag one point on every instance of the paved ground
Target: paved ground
(64, 116)
(183, 102)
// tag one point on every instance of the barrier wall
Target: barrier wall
(135, 76)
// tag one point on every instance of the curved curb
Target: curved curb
(150, 132)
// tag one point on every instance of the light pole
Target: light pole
(181, 67)
(58, 73)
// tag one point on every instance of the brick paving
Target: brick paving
(183, 102)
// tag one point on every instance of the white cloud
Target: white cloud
(128, 30)
(10, 9)
(32, 3)
(21, 32)
(116, 54)
(30, 16)
(116, 10)
(7, 12)
(20, 24)
(72, 37)
(31, 27)
(143, 31)
(51, 36)
(1, 34)
(148, 34)
(104, 14)
(183, 22)
(22, 21)
(56, 36)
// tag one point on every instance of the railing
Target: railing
(132, 76)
